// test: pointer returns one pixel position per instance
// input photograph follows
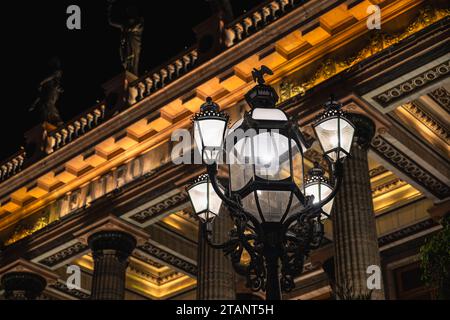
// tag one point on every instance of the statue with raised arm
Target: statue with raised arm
(49, 92)
(222, 8)
(131, 30)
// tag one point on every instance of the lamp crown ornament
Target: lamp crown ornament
(316, 171)
(262, 95)
(333, 107)
(210, 109)
(210, 105)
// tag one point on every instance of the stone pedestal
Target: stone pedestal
(110, 250)
(23, 285)
(216, 277)
(354, 230)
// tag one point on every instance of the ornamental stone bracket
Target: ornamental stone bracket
(410, 86)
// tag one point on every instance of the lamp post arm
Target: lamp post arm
(299, 138)
(338, 177)
(212, 173)
(219, 246)
(310, 207)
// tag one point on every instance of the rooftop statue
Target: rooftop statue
(49, 92)
(223, 8)
(131, 28)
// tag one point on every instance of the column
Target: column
(354, 230)
(23, 285)
(110, 250)
(216, 278)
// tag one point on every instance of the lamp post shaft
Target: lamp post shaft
(273, 290)
(272, 248)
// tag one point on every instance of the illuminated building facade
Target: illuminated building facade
(101, 191)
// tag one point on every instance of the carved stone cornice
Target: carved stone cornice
(428, 120)
(169, 258)
(405, 88)
(377, 171)
(64, 255)
(409, 167)
(442, 97)
(160, 208)
(158, 280)
(387, 187)
(405, 232)
(77, 294)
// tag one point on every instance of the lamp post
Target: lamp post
(276, 207)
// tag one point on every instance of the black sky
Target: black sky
(32, 32)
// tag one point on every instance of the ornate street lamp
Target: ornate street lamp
(317, 185)
(204, 199)
(276, 209)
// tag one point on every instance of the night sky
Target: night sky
(33, 32)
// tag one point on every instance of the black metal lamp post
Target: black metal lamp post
(277, 210)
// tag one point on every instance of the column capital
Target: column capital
(23, 285)
(121, 242)
(365, 129)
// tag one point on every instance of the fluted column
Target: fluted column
(354, 230)
(216, 277)
(110, 250)
(23, 285)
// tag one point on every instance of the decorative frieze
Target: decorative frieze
(405, 88)
(158, 280)
(377, 171)
(387, 187)
(378, 42)
(428, 120)
(406, 232)
(64, 255)
(160, 208)
(442, 97)
(409, 167)
(22, 231)
(169, 258)
(62, 287)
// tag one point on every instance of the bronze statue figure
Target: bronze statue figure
(131, 30)
(222, 8)
(49, 92)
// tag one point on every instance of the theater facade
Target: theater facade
(102, 195)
